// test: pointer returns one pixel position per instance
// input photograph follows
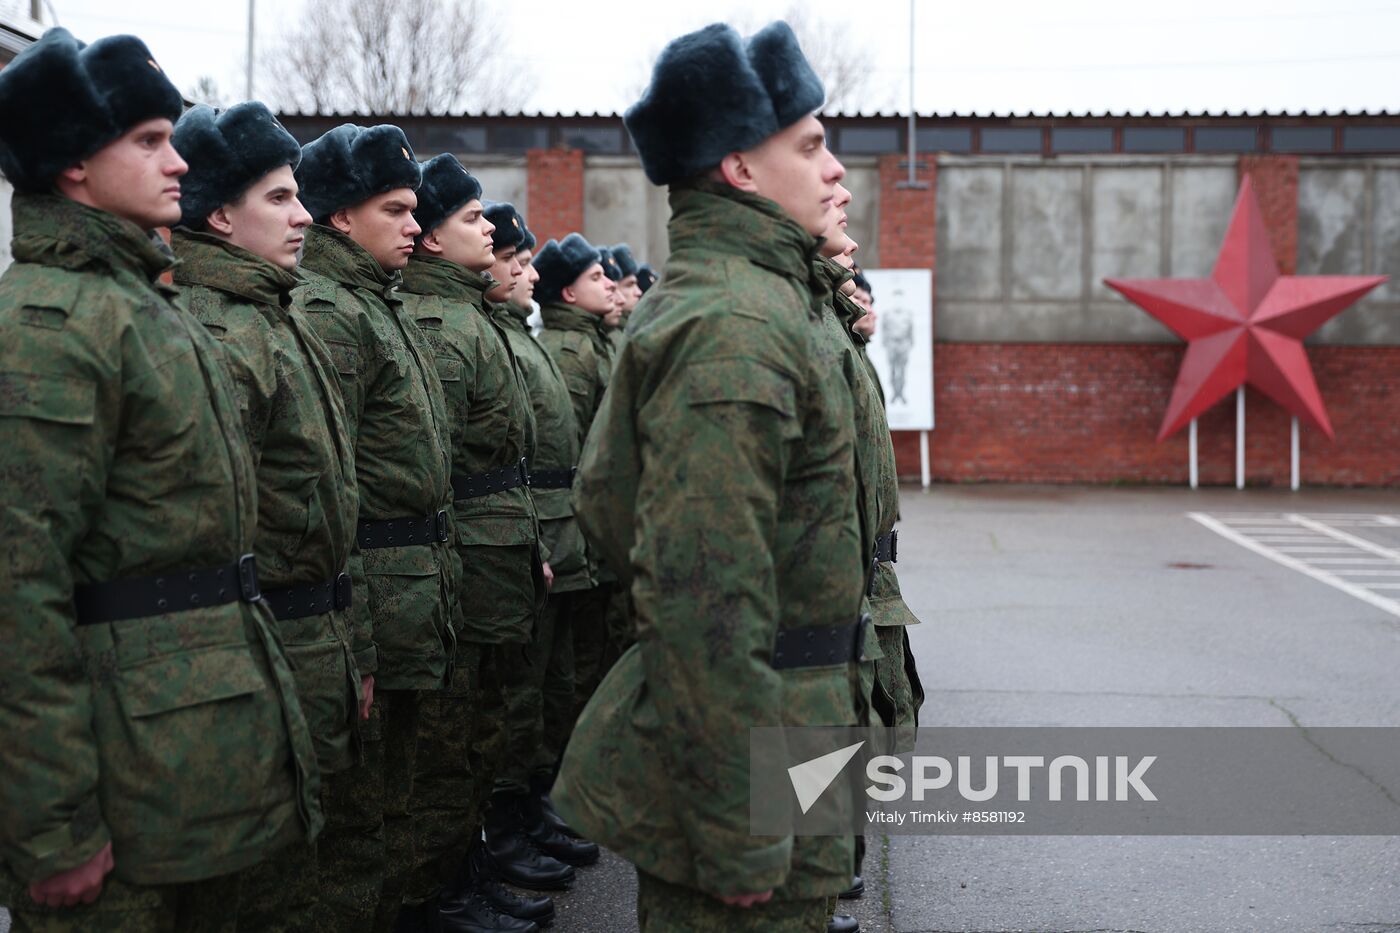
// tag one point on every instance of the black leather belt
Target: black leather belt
(176, 591)
(552, 479)
(820, 646)
(312, 599)
(497, 480)
(402, 532)
(887, 548)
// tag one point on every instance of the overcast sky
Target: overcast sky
(973, 56)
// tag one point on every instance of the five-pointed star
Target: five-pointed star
(1246, 323)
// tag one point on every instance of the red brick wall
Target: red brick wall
(908, 215)
(555, 192)
(1275, 179)
(1089, 413)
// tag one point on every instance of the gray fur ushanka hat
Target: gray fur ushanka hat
(712, 93)
(447, 188)
(227, 153)
(62, 100)
(351, 164)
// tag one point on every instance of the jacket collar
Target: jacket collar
(56, 231)
(331, 253)
(216, 263)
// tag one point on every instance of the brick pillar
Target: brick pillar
(556, 192)
(1275, 179)
(908, 225)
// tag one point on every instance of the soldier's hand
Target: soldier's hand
(366, 696)
(748, 900)
(548, 576)
(76, 885)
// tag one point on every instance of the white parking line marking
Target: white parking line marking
(1332, 579)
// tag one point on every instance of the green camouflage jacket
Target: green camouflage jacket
(490, 418)
(176, 737)
(875, 448)
(557, 447)
(300, 442)
(579, 343)
(394, 405)
(720, 480)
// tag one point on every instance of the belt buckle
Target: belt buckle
(894, 546)
(858, 649)
(344, 590)
(248, 579)
(523, 467)
(573, 472)
(441, 526)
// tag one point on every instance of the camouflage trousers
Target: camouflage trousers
(663, 907)
(280, 894)
(519, 718)
(210, 906)
(591, 649)
(366, 848)
(552, 658)
(622, 625)
(446, 802)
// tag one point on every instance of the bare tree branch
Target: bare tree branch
(396, 56)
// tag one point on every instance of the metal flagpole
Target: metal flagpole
(1195, 464)
(1293, 444)
(248, 84)
(1239, 438)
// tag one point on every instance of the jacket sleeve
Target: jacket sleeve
(346, 346)
(714, 444)
(59, 418)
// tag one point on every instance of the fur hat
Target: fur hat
(529, 242)
(623, 254)
(646, 277)
(447, 188)
(711, 94)
(510, 228)
(560, 264)
(350, 164)
(611, 268)
(62, 100)
(227, 153)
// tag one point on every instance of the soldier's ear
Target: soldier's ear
(737, 173)
(567, 294)
(218, 222)
(430, 243)
(340, 220)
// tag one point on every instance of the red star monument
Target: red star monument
(1246, 323)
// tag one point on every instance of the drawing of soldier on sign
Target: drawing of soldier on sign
(898, 341)
(902, 348)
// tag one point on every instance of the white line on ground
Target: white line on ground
(1318, 574)
(1353, 540)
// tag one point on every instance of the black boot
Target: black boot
(482, 880)
(540, 783)
(472, 914)
(552, 842)
(843, 923)
(418, 918)
(514, 856)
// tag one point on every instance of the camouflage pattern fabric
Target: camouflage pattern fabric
(123, 457)
(351, 847)
(591, 649)
(401, 711)
(671, 908)
(720, 480)
(552, 667)
(394, 405)
(210, 906)
(491, 426)
(295, 423)
(281, 894)
(578, 343)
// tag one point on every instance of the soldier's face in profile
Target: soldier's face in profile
(865, 326)
(524, 289)
(630, 291)
(464, 238)
(591, 291)
(136, 176)
(383, 225)
(834, 237)
(506, 270)
(794, 168)
(267, 221)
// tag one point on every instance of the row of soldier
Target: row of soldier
(301, 614)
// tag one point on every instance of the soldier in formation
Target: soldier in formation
(319, 557)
